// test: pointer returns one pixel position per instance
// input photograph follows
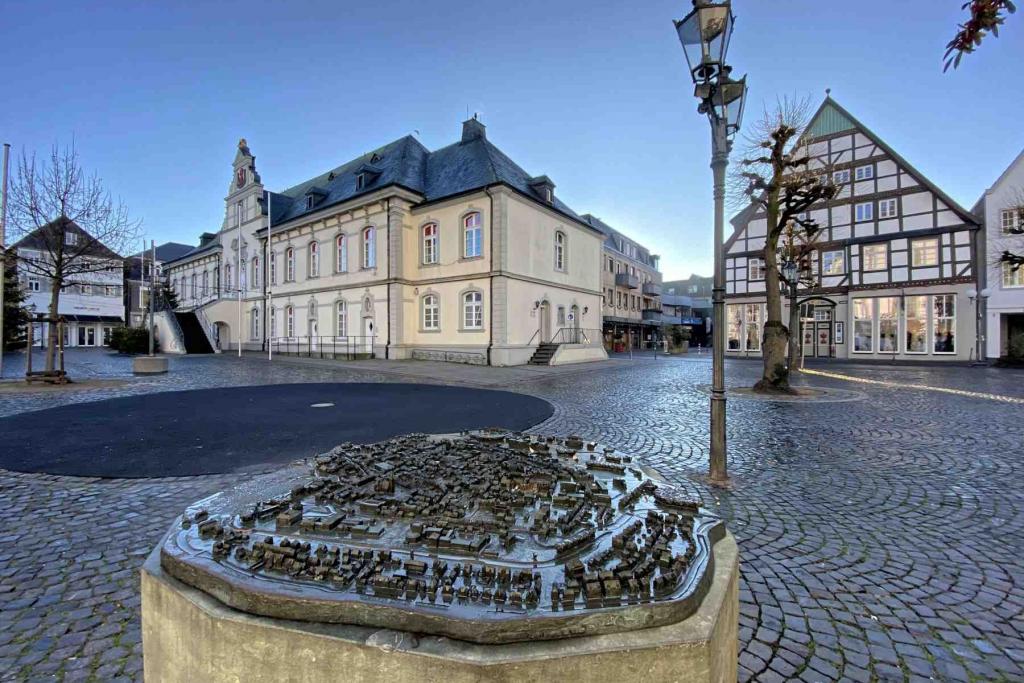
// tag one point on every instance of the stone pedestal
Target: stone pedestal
(149, 365)
(190, 636)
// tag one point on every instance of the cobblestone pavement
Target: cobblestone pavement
(881, 539)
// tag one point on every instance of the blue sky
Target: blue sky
(592, 93)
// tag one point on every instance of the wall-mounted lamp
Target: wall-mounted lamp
(536, 305)
(586, 309)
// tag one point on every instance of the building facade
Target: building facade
(688, 303)
(91, 301)
(138, 278)
(631, 283)
(454, 254)
(1001, 209)
(894, 264)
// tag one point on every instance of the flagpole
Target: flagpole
(238, 274)
(3, 258)
(269, 318)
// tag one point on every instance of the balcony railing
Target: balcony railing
(653, 315)
(652, 289)
(626, 280)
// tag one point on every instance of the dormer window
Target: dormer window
(314, 195)
(367, 174)
(543, 188)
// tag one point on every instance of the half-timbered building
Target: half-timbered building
(892, 265)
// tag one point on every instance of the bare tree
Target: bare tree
(779, 175)
(69, 222)
(985, 16)
(1011, 241)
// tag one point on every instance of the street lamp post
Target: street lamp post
(978, 299)
(705, 33)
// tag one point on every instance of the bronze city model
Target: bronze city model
(487, 536)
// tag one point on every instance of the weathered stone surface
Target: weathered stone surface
(189, 636)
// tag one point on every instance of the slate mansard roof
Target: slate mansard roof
(471, 164)
(611, 236)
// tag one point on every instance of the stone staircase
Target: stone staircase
(193, 336)
(544, 354)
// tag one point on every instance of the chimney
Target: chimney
(473, 129)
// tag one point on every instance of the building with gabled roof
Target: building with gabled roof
(91, 300)
(1001, 209)
(894, 264)
(455, 254)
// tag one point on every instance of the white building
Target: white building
(92, 300)
(894, 265)
(454, 254)
(1001, 210)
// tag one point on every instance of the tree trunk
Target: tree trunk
(794, 334)
(775, 378)
(51, 341)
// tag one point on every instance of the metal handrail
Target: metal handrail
(533, 337)
(577, 335)
(348, 347)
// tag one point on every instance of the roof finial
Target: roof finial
(828, 92)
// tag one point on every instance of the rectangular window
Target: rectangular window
(753, 322)
(70, 238)
(865, 212)
(916, 324)
(1012, 277)
(472, 235)
(863, 326)
(734, 328)
(833, 263)
(887, 208)
(925, 252)
(888, 324)
(1008, 220)
(561, 315)
(874, 257)
(944, 323)
(33, 284)
(841, 177)
(755, 269)
(865, 173)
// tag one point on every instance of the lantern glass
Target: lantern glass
(704, 34)
(728, 101)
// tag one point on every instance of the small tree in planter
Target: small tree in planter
(680, 338)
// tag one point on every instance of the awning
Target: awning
(76, 318)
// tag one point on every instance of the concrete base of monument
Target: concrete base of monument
(188, 635)
(149, 365)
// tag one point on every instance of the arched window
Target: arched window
(472, 235)
(289, 265)
(255, 272)
(314, 259)
(272, 262)
(559, 250)
(341, 254)
(254, 324)
(206, 284)
(431, 312)
(194, 286)
(273, 323)
(289, 321)
(227, 278)
(341, 319)
(369, 247)
(430, 243)
(472, 310)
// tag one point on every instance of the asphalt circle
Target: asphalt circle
(213, 431)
